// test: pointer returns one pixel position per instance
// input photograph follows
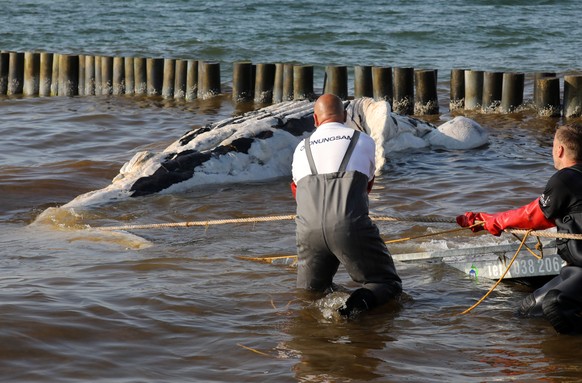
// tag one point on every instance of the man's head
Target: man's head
(328, 108)
(567, 148)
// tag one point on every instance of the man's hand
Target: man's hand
(487, 221)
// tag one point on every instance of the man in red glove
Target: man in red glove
(333, 171)
(559, 300)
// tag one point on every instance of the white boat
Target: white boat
(492, 261)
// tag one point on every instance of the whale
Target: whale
(259, 145)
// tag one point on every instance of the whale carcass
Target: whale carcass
(259, 145)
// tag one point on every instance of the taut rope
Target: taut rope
(289, 217)
(200, 223)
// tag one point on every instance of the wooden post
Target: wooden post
(512, 93)
(90, 79)
(382, 83)
(426, 99)
(288, 82)
(169, 78)
(473, 89)
(155, 76)
(15, 73)
(279, 79)
(192, 80)
(31, 74)
(264, 83)
(242, 79)
(4, 65)
(208, 79)
(403, 102)
(303, 82)
(140, 75)
(106, 75)
(98, 77)
(492, 90)
(55, 75)
(457, 85)
(336, 81)
(68, 75)
(548, 96)
(46, 74)
(537, 76)
(363, 85)
(118, 77)
(81, 79)
(572, 96)
(180, 75)
(129, 70)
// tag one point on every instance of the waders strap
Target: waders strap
(345, 160)
(349, 151)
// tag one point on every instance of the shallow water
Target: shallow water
(180, 305)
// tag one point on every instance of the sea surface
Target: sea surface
(179, 304)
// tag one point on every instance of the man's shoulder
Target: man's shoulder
(571, 171)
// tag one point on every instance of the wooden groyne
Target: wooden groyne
(409, 90)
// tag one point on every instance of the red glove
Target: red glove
(529, 216)
(293, 189)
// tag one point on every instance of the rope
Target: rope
(253, 350)
(268, 259)
(502, 276)
(289, 217)
(539, 247)
(199, 223)
(264, 219)
(428, 235)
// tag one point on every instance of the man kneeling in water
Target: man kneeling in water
(559, 300)
(333, 172)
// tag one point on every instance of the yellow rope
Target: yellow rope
(502, 276)
(266, 259)
(253, 350)
(539, 247)
(429, 235)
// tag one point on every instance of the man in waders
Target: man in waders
(559, 300)
(333, 172)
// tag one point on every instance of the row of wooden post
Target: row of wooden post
(503, 92)
(410, 90)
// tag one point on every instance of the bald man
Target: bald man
(333, 172)
(559, 300)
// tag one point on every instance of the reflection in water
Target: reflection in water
(330, 348)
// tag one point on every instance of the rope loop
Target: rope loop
(502, 275)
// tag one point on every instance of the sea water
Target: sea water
(181, 305)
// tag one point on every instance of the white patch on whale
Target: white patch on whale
(458, 133)
(269, 137)
(394, 132)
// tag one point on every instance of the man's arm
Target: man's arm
(529, 216)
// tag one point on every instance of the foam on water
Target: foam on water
(68, 225)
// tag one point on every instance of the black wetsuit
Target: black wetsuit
(560, 300)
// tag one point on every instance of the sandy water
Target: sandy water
(179, 305)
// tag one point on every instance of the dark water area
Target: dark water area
(180, 305)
